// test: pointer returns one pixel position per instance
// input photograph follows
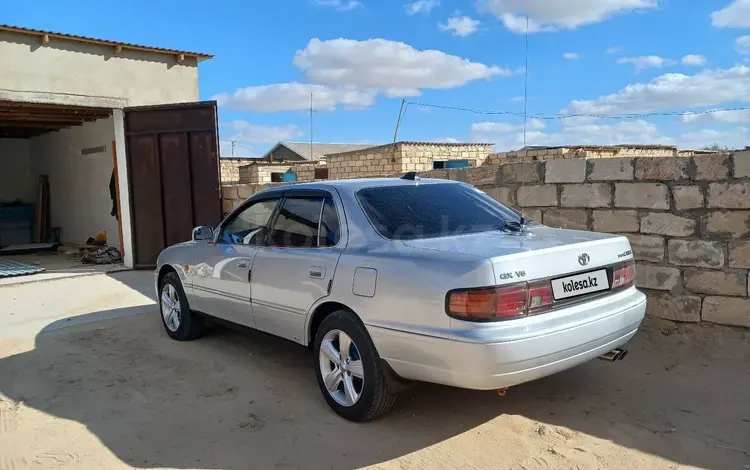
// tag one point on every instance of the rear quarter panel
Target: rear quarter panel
(411, 285)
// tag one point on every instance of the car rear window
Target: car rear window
(432, 210)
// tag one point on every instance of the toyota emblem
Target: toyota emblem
(583, 259)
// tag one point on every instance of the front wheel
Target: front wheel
(348, 369)
(179, 322)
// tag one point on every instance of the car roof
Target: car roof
(352, 185)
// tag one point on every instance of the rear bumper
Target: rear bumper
(491, 356)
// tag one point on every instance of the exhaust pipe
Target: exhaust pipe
(614, 355)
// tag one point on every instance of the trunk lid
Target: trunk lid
(538, 253)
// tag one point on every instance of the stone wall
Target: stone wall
(420, 156)
(306, 171)
(230, 168)
(257, 173)
(687, 218)
(374, 161)
(392, 159)
(589, 152)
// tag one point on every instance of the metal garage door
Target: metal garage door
(173, 168)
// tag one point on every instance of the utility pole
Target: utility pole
(395, 134)
(526, 81)
(234, 144)
(311, 127)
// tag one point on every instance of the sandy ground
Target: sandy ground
(108, 389)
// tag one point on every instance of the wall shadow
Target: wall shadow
(248, 400)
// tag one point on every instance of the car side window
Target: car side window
(296, 226)
(330, 230)
(248, 227)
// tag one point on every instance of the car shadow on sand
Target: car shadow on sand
(236, 400)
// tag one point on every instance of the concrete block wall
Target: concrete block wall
(588, 152)
(687, 218)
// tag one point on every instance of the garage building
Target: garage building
(116, 130)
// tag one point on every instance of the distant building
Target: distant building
(306, 151)
(293, 161)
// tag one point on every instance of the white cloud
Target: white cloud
(392, 67)
(571, 55)
(244, 131)
(421, 6)
(517, 99)
(623, 132)
(489, 128)
(736, 138)
(742, 44)
(735, 15)
(613, 50)
(294, 96)
(731, 116)
(551, 15)
(694, 60)
(673, 91)
(340, 5)
(449, 140)
(460, 26)
(646, 62)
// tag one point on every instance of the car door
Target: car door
(221, 283)
(296, 267)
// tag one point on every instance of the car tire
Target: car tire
(186, 325)
(374, 399)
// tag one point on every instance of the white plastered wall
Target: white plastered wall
(80, 202)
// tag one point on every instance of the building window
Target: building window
(438, 164)
(277, 177)
(321, 173)
(455, 164)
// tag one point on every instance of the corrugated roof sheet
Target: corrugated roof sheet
(319, 150)
(103, 42)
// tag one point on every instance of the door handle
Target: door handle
(243, 264)
(317, 272)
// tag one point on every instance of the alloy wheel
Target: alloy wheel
(170, 307)
(341, 368)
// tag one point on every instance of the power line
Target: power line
(553, 116)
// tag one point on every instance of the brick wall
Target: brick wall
(261, 173)
(255, 173)
(374, 161)
(687, 218)
(230, 169)
(404, 156)
(420, 157)
(306, 172)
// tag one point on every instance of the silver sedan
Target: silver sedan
(396, 281)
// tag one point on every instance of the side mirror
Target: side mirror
(203, 232)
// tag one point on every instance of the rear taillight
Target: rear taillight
(623, 275)
(500, 303)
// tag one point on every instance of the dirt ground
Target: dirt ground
(113, 392)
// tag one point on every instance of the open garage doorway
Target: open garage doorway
(58, 185)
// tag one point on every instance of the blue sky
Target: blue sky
(359, 58)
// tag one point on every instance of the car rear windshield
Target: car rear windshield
(432, 210)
